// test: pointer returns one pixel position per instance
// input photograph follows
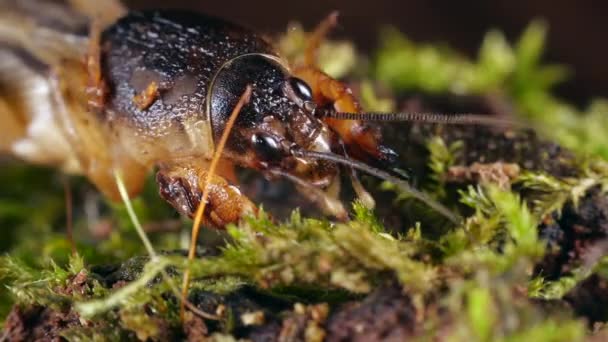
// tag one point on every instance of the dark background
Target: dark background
(577, 29)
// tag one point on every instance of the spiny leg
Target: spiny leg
(31, 33)
(96, 87)
(311, 53)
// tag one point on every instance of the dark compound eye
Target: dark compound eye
(301, 89)
(266, 147)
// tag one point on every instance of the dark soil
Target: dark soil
(38, 324)
(577, 239)
(384, 315)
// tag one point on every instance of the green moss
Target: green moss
(306, 251)
(493, 312)
(514, 72)
(469, 281)
(441, 158)
(48, 287)
(480, 311)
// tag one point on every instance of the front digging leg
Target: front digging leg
(181, 186)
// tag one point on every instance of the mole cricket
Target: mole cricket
(137, 91)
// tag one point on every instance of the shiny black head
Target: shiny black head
(279, 117)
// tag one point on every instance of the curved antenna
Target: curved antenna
(448, 119)
(198, 217)
(404, 186)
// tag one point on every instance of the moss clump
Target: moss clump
(518, 267)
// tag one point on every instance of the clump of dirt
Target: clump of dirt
(38, 324)
(577, 237)
(384, 315)
(589, 299)
(195, 328)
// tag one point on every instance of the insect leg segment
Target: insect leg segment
(364, 197)
(96, 88)
(182, 186)
(317, 37)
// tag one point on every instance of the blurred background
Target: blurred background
(577, 29)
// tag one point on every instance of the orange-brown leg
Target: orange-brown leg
(96, 87)
(316, 38)
(181, 185)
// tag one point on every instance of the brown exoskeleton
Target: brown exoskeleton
(133, 91)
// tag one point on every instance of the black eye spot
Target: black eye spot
(301, 89)
(266, 147)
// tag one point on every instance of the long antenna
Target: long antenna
(404, 186)
(449, 119)
(198, 217)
